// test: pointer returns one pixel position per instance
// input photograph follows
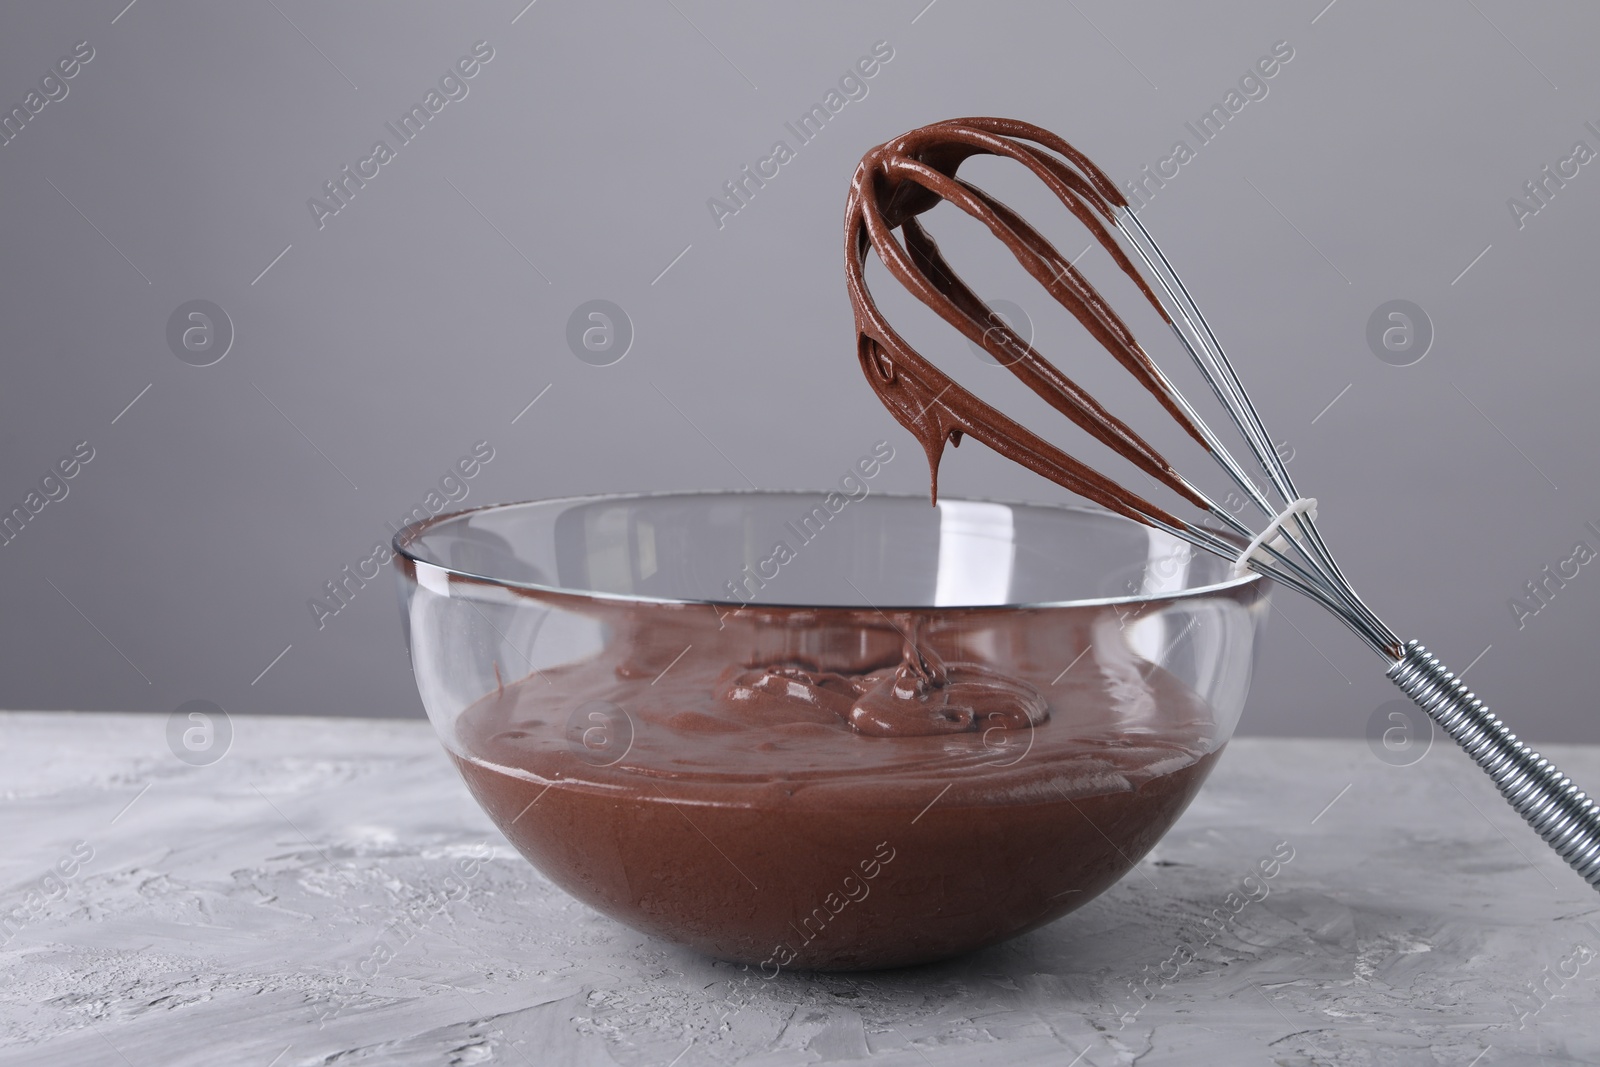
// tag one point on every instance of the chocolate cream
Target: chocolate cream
(833, 788)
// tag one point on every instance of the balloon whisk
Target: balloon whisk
(899, 181)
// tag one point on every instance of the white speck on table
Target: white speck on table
(328, 892)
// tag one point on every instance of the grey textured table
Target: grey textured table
(328, 893)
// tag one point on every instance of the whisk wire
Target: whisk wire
(1324, 585)
(1230, 391)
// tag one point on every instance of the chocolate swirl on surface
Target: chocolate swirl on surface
(894, 683)
(900, 180)
(923, 695)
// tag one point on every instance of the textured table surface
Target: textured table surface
(301, 901)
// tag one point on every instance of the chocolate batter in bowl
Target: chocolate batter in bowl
(836, 730)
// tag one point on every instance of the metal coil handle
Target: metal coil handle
(1551, 803)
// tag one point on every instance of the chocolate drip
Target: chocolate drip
(903, 178)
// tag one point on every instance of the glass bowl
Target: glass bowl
(825, 731)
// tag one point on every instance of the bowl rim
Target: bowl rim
(416, 565)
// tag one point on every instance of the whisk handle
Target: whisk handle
(1551, 803)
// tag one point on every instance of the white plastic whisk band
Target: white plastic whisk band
(1274, 535)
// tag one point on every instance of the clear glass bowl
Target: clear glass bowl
(825, 731)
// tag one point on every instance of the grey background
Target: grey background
(429, 312)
